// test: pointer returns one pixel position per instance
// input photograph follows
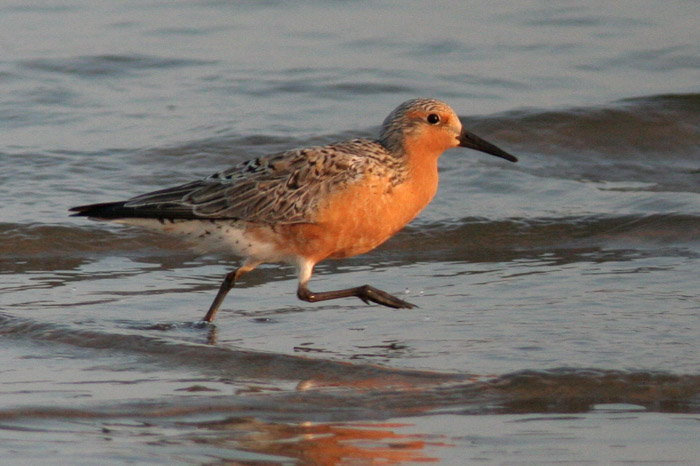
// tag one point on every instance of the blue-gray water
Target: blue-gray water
(559, 298)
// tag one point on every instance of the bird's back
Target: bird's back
(282, 188)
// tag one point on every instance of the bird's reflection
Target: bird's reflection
(321, 444)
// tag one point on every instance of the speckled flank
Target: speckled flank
(215, 236)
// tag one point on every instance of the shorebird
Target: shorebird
(306, 205)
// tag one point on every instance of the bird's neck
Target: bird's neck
(422, 177)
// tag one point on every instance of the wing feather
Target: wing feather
(279, 188)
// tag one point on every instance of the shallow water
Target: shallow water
(558, 297)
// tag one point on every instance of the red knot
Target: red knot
(306, 205)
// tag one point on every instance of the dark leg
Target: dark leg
(366, 293)
(225, 287)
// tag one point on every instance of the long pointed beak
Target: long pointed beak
(472, 141)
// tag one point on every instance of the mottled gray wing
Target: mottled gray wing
(278, 188)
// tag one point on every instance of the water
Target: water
(559, 298)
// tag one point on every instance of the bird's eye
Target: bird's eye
(433, 118)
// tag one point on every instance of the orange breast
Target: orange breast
(361, 217)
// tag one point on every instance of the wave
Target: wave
(359, 390)
(219, 361)
(655, 125)
(49, 246)
(91, 66)
(535, 233)
(659, 125)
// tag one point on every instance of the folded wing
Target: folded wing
(278, 188)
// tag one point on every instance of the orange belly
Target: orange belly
(356, 219)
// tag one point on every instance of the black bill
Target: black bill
(472, 141)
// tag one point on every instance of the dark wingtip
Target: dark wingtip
(102, 210)
(120, 210)
(78, 211)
